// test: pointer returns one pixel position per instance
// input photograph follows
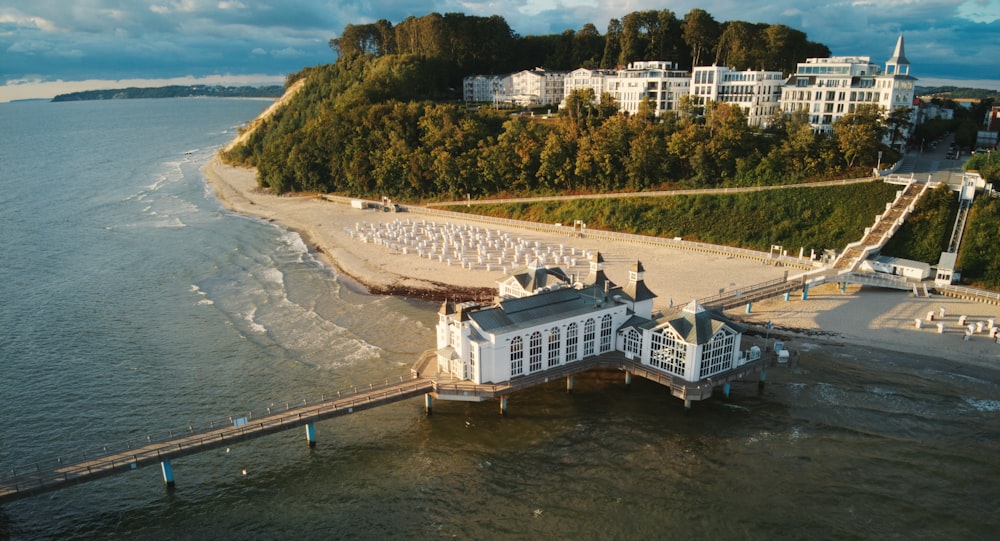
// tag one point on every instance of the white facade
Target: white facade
(584, 78)
(553, 327)
(485, 88)
(536, 87)
(757, 92)
(829, 88)
(690, 343)
(659, 82)
(916, 270)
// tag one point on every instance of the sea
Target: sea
(132, 303)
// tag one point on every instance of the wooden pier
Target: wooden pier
(60, 473)
(64, 472)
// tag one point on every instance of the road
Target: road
(932, 162)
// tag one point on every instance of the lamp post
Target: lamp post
(878, 167)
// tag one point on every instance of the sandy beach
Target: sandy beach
(867, 317)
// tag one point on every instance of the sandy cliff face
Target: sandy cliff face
(278, 104)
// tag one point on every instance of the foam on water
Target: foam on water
(983, 405)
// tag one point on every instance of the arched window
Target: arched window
(606, 333)
(535, 352)
(554, 349)
(589, 329)
(633, 342)
(516, 356)
(668, 353)
(718, 354)
(572, 344)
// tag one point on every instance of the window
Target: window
(473, 355)
(554, 347)
(535, 352)
(588, 337)
(667, 353)
(633, 342)
(606, 333)
(516, 356)
(571, 341)
(717, 355)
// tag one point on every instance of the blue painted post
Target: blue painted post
(805, 292)
(569, 384)
(168, 473)
(428, 402)
(763, 379)
(311, 435)
(788, 295)
(687, 404)
(843, 287)
(503, 405)
(628, 379)
(749, 304)
(725, 390)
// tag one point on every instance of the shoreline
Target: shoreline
(860, 317)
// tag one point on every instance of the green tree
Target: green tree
(898, 123)
(701, 33)
(859, 134)
(612, 44)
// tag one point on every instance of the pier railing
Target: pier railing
(157, 446)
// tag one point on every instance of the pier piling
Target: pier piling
(168, 473)
(311, 434)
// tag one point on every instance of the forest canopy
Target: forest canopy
(380, 121)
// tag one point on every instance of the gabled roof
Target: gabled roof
(639, 323)
(536, 276)
(694, 324)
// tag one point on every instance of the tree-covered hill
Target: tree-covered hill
(471, 44)
(379, 122)
(958, 93)
(175, 91)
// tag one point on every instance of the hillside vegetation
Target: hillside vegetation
(174, 91)
(383, 120)
(809, 218)
(377, 123)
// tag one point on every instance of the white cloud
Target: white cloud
(16, 19)
(980, 11)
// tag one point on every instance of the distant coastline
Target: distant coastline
(175, 91)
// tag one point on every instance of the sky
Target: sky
(49, 47)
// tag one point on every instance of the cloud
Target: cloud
(114, 39)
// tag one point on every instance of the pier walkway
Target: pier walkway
(66, 471)
(59, 473)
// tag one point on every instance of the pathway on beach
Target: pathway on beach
(655, 193)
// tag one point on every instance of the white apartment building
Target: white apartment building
(584, 78)
(829, 88)
(661, 82)
(485, 88)
(536, 87)
(757, 92)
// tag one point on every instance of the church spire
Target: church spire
(898, 64)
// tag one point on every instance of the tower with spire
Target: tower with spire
(898, 64)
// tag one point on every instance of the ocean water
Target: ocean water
(132, 303)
